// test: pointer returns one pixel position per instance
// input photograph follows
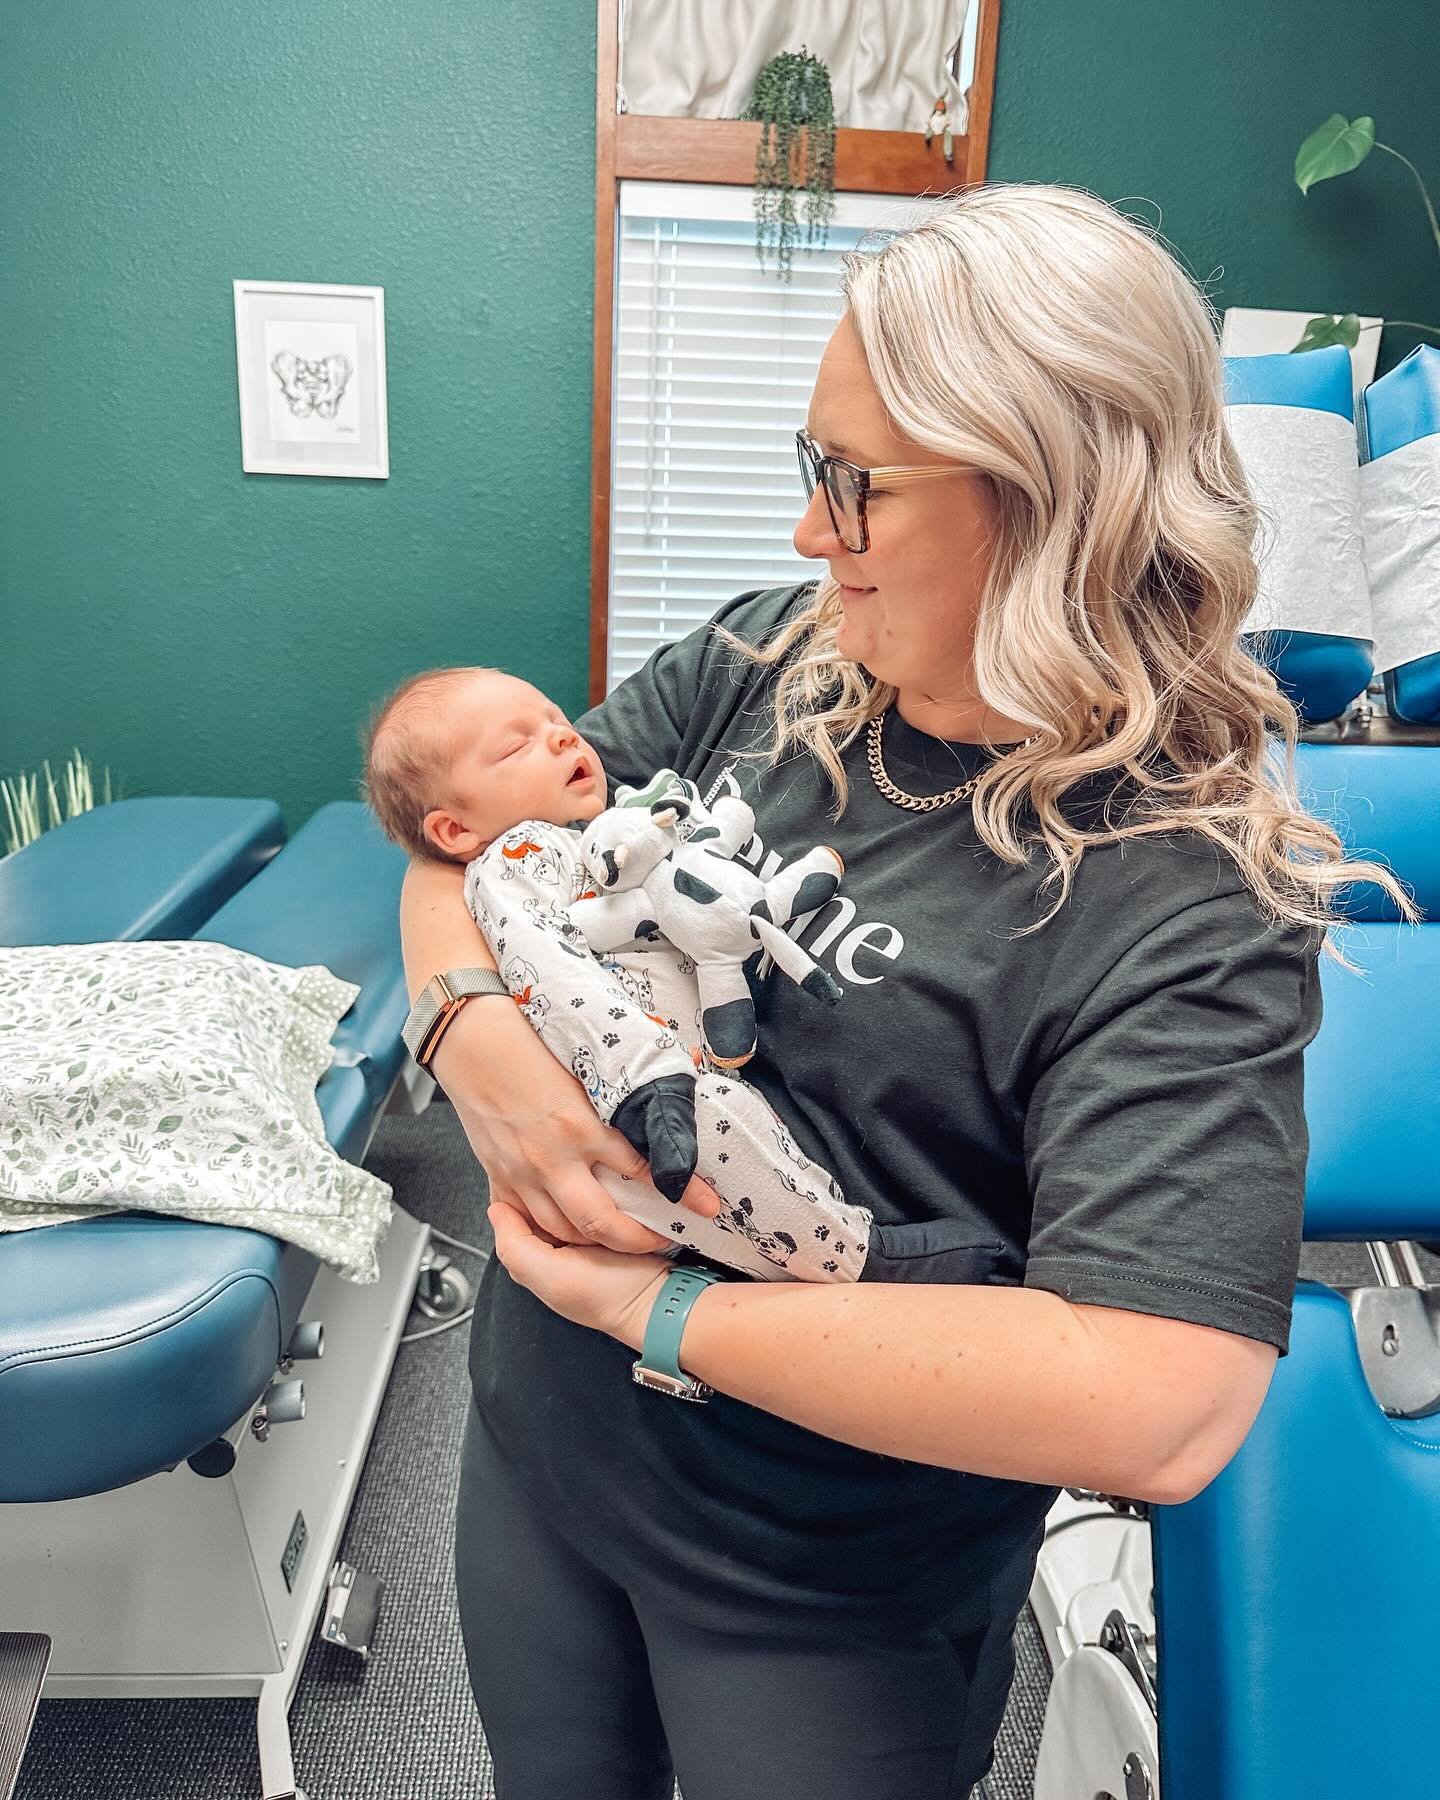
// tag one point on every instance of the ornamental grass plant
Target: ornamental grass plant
(21, 798)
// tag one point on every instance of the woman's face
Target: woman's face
(910, 600)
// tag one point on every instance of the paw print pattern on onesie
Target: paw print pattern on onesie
(784, 1212)
(605, 1095)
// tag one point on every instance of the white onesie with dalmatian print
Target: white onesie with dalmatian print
(632, 1016)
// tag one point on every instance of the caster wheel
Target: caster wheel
(442, 1292)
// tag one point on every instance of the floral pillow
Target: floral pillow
(177, 1077)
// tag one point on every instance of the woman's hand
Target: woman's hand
(590, 1286)
(536, 1134)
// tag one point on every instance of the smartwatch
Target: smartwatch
(437, 1004)
(658, 1365)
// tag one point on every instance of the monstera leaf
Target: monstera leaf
(1339, 146)
(1321, 333)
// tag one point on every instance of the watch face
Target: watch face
(683, 1388)
(660, 1381)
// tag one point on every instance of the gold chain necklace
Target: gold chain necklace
(897, 796)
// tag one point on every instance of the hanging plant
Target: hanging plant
(796, 110)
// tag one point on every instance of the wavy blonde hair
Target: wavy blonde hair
(1054, 345)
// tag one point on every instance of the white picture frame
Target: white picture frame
(310, 366)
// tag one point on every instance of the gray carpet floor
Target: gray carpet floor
(403, 1726)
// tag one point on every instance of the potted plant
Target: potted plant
(796, 110)
(1335, 148)
(20, 798)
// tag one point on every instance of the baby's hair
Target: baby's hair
(407, 749)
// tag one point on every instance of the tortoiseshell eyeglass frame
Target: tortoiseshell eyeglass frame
(819, 470)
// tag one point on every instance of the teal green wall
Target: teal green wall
(203, 630)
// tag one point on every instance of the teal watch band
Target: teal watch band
(658, 1366)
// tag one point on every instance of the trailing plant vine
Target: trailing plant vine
(795, 108)
(1335, 148)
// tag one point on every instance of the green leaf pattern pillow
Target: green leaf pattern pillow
(177, 1077)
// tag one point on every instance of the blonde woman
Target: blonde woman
(1078, 937)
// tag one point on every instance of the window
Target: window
(714, 362)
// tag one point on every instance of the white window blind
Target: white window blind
(714, 363)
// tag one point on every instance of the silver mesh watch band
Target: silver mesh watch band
(438, 997)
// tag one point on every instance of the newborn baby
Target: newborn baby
(477, 767)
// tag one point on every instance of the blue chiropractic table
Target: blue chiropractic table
(1274, 1637)
(185, 1408)
(1297, 1597)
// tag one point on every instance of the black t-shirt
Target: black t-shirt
(1109, 1108)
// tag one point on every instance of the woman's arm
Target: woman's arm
(1165, 1149)
(527, 1118)
(436, 930)
(1010, 1382)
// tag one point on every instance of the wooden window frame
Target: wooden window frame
(639, 147)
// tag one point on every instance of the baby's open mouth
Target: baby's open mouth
(582, 773)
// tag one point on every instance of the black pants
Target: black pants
(588, 1690)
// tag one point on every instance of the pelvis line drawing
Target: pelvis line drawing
(308, 387)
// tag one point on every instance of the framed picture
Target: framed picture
(311, 365)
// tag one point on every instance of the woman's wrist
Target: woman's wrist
(473, 1034)
(631, 1327)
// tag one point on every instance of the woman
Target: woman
(1078, 937)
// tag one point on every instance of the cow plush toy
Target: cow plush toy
(663, 867)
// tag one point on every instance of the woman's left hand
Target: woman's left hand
(608, 1290)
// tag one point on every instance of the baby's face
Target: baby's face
(516, 757)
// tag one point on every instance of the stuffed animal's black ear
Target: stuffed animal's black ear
(680, 807)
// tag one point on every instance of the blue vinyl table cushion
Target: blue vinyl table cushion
(135, 869)
(129, 1342)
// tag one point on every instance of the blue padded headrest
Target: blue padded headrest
(156, 867)
(1305, 477)
(1319, 379)
(1400, 485)
(1403, 406)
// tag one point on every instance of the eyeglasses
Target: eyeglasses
(847, 487)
